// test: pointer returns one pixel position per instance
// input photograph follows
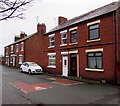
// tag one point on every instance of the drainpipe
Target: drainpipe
(115, 48)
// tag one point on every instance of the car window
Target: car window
(33, 64)
(24, 64)
(27, 65)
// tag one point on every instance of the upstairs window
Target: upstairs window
(16, 47)
(73, 36)
(51, 41)
(63, 38)
(22, 46)
(11, 48)
(94, 32)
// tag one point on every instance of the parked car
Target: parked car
(31, 68)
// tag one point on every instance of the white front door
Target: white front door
(65, 66)
(8, 61)
(13, 61)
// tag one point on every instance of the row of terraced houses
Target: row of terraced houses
(87, 46)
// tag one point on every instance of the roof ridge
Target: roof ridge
(20, 40)
(92, 11)
(92, 14)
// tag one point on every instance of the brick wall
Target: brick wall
(106, 35)
(118, 42)
(34, 48)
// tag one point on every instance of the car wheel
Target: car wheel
(21, 70)
(29, 72)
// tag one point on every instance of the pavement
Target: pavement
(81, 79)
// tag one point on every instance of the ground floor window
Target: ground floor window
(94, 60)
(51, 60)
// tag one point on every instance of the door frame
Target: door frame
(77, 61)
(64, 54)
(14, 61)
(64, 70)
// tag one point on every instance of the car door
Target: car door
(24, 67)
(27, 67)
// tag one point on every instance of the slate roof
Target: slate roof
(92, 14)
(21, 40)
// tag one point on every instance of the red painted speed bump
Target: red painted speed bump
(26, 88)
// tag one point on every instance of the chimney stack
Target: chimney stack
(22, 35)
(61, 20)
(41, 28)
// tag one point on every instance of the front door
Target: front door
(65, 66)
(73, 65)
(14, 61)
(8, 61)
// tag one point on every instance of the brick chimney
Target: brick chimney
(18, 37)
(41, 28)
(61, 19)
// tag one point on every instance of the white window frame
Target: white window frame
(97, 39)
(51, 54)
(52, 35)
(63, 32)
(94, 50)
(16, 47)
(22, 46)
(70, 30)
(11, 48)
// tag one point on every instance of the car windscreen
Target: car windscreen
(33, 64)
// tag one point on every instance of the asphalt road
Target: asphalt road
(21, 88)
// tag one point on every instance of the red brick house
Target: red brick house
(26, 48)
(87, 46)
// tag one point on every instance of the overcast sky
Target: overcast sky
(46, 11)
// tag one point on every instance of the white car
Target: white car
(31, 68)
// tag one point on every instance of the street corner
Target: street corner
(64, 81)
(26, 88)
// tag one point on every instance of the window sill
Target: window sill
(51, 66)
(63, 45)
(95, 40)
(90, 69)
(73, 43)
(51, 47)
